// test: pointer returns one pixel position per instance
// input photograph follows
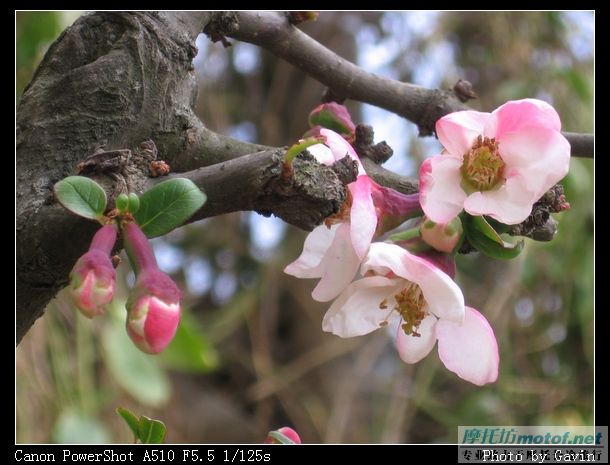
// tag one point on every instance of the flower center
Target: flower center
(410, 305)
(483, 167)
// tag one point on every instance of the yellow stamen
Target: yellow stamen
(410, 304)
(482, 168)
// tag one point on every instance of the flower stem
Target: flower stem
(301, 145)
(138, 248)
(104, 239)
(405, 235)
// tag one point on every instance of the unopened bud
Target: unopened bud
(284, 435)
(442, 237)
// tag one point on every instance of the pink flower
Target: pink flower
(469, 350)
(92, 278)
(153, 306)
(497, 164)
(334, 251)
(284, 433)
(423, 304)
(153, 311)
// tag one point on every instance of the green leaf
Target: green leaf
(168, 205)
(491, 248)
(139, 374)
(405, 235)
(190, 350)
(279, 437)
(130, 418)
(481, 224)
(500, 228)
(74, 427)
(81, 196)
(151, 431)
(486, 239)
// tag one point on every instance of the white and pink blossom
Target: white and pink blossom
(333, 251)
(421, 305)
(497, 164)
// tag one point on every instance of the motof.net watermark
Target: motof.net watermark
(531, 435)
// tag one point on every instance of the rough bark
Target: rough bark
(112, 79)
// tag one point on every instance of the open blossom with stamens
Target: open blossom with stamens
(497, 164)
(423, 304)
(93, 277)
(334, 250)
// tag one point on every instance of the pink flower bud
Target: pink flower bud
(442, 237)
(335, 117)
(153, 307)
(287, 432)
(92, 278)
(153, 311)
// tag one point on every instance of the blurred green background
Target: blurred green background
(250, 355)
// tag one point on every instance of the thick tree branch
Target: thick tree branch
(256, 182)
(113, 79)
(117, 79)
(422, 106)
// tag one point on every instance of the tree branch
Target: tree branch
(113, 79)
(257, 182)
(422, 106)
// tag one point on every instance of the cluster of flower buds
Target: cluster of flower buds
(153, 306)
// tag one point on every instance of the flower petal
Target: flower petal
(356, 311)
(322, 154)
(339, 266)
(440, 194)
(458, 131)
(161, 324)
(339, 147)
(516, 115)
(540, 155)
(469, 350)
(316, 244)
(411, 348)
(510, 204)
(444, 297)
(363, 217)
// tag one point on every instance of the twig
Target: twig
(422, 106)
